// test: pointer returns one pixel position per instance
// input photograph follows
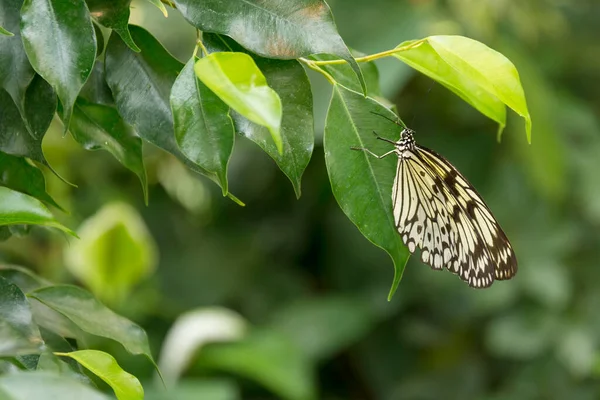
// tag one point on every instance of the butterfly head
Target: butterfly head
(407, 140)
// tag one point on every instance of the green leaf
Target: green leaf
(91, 316)
(236, 79)
(103, 365)
(99, 40)
(62, 32)
(47, 386)
(19, 209)
(160, 6)
(361, 184)
(203, 128)
(286, 29)
(23, 177)
(114, 253)
(5, 32)
(96, 90)
(113, 14)
(481, 76)
(22, 277)
(18, 333)
(323, 326)
(267, 358)
(290, 82)
(141, 84)
(191, 332)
(15, 71)
(96, 126)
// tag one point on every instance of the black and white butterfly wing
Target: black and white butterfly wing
(438, 211)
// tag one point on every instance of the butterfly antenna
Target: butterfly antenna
(398, 121)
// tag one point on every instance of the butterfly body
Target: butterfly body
(439, 212)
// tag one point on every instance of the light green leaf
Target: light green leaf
(361, 184)
(481, 76)
(103, 365)
(160, 6)
(203, 128)
(93, 317)
(47, 386)
(5, 32)
(236, 79)
(289, 80)
(62, 32)
(18, 333)
(114, 253)
(19, 209)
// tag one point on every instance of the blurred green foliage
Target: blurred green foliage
(313, 290)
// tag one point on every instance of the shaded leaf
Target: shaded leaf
(63, 32)
(47, 386)
(99, 40)
(236, 79)
(96, 126)
(22, 277)
(203, 128)
(345, 76)
(19, 209)
(286, 29)
(361, 184)
(18, 333)
(114, 253)
(19, 175)
(15, 71)
(141, 84)
(103, 365)
(267, 358)
(91, 316)
(96, 90)
(114, 15)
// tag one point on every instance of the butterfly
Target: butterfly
(439, 212)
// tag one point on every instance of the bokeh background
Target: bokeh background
(300, 285)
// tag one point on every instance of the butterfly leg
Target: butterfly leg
(384, 139)
(373, 154)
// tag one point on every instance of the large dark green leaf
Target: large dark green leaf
(47, 386)
(113, 14)
(96, 90)
(285, 29)
(290, 82)
(15, 71)
(79, 306)
(20, 175)
(60, 31)
(96, 126)
(141, 84)
(19, 209)
(361, 184)
(18, 333)
(203, 128)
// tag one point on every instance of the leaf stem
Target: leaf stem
(375, 56)
(312, 65)
(200, 45)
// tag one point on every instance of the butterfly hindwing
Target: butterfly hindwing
(438, 211)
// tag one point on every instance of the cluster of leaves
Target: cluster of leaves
(249, 80)
(39, 324)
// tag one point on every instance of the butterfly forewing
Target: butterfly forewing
(438, 211)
